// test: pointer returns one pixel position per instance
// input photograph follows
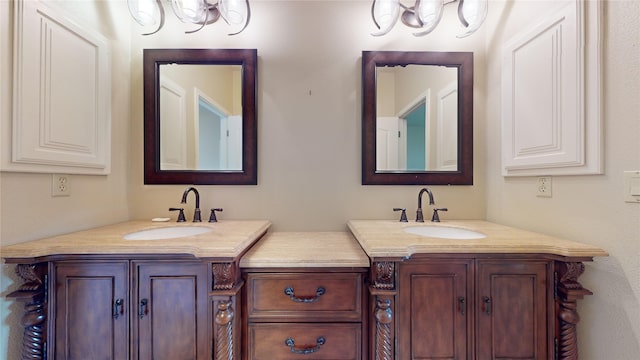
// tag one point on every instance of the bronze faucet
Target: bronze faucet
(419, 216)
(196, 214)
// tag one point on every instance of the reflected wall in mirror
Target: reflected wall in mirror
(200, 116)
(417, 118)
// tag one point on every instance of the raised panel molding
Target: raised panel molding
(61, 95)
(551, 87)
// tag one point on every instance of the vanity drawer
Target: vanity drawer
(277, 341)
(304, 296)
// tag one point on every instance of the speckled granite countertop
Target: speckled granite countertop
(386, 238)
(305, 249)
(228, 239)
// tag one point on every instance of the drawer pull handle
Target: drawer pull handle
(306, 349)
(304, 299)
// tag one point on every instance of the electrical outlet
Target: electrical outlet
(544, 186)
(60, 185)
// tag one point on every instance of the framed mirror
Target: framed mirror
(200, 123)
(417, 118)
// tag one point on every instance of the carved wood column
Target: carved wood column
(383, 293)
(569, 291)
(33, 293)
(226, 325)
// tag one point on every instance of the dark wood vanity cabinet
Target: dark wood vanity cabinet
(304, 315)
(473, 309)
(164, 303)
(480, 306)
(99, 294)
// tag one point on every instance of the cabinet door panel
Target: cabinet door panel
(86, 323)
(172, 311)
(433, 320)
(512, 300)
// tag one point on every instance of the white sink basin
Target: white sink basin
(444, 232)
(167, 233)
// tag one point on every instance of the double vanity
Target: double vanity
(228, 290)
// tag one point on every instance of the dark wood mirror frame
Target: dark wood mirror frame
(461, 60)
(152, 59)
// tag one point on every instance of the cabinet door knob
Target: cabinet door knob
(118, 308)
(304, 299)
(462, 303)
(487, 304)
(143, 308)
(305, 349)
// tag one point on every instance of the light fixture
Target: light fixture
(426, 14)
(199, 12)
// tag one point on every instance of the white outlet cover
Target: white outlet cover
(60, 185)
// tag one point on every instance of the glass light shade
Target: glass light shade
(144, 12)
(234, 12)
(473, 12)
(193, 11)
(430, 13)
(385, 14)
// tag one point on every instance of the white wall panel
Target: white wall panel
(61, 97)
(547, 128)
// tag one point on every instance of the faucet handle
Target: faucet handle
(181, 217)
(212, 217)
(403, 216)
(435, 217)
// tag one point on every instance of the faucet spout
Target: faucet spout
(196, 215)
(419, 215)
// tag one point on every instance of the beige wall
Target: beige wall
(27, 210)
(589, 209)
(309, 113)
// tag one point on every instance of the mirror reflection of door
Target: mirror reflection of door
(389, 144)
(206, 134)
(402, 141)
(218, 136)
(447, 127)
(416, 128)
(173, 132)
(415, 147)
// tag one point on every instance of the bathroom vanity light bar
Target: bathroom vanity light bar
(426, 14)
(199, 12)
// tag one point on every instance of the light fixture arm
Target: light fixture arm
(161, 22)
(246, 21)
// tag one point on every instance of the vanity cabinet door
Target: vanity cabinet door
(91, 310)
(434, 310)
(512, 310)
(171, 311)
